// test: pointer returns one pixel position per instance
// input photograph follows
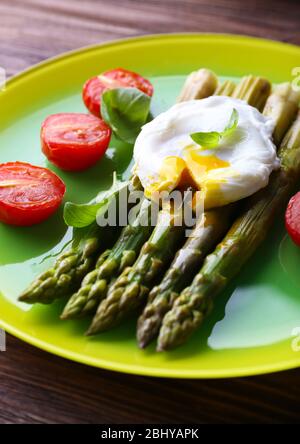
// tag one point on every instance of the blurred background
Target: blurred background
(32, 30)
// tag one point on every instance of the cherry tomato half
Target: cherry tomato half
(117, 78)
(74, 141)
(28, 194)
(292, 218)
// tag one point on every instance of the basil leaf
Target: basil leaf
(212, 139)
(83, 215)
(232, 124)
(80, 216)
(207, 140)
(125, 110)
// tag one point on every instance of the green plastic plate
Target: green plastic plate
(255, 324)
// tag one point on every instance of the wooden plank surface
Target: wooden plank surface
(32, 30)
(40, 388)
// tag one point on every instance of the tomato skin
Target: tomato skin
(32, 201)
(74, 141)
(92, 91)
(292, 219)
(94, 87)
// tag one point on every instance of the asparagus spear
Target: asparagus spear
(246, 234)
(225, 89)
(111, 263)
(282, 107)
(198, 84)
(130, 290)
(69, 269)
(208, 232)
(253, 90)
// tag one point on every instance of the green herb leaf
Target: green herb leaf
(83, 215)
(232, 124)
(80, 216)
(207, 140)
(125, 110)
(212, 139)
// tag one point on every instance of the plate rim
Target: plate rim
(133, 39)
(133, 368)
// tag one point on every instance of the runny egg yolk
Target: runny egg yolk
(176, 172)
(198, 165)
(170, 176)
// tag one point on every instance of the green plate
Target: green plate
(255, 324)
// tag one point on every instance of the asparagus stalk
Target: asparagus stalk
(225, 89)
(69, 269)
(246, 234)
(130, 290)
(198, 84)
(66, 273)
(208, 231)
(282, 107)
(253, 90)
(111, 264)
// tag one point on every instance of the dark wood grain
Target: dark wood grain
(41, 388)
(36, 387)
(32, 30)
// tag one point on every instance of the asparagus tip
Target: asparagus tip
(94, 329)
(145, 336)
(164, 346)
(142, 344)
(68, 314)
(162, 341)
(90, 331)
(22, 298)
(27, 297)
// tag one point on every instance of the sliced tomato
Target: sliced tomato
(117, 78)
(28, 194)
(292, 218)
(74, 141)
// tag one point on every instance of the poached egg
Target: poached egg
(166, 157)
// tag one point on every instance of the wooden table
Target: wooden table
(40, 388)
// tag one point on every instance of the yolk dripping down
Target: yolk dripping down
(176, 172)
